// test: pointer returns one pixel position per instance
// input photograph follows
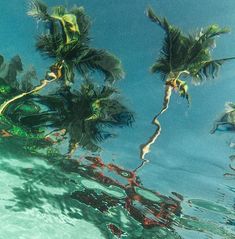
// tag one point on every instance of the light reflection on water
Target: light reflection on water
(101, 198)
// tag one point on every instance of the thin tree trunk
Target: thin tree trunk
(36, 89)
(167, 97)
(169, 86)
(145, 148)
(54, 74)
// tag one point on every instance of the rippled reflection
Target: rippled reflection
(110, 197)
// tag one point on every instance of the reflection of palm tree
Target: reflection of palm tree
(227, 119)
(183, 56)
(83, 114)
(68, 41)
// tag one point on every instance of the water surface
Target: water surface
(41, 198)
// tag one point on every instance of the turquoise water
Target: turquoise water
(49, 198)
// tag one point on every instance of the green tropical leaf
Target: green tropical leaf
(191, 53)
(210, 69)
(68, 41)
(48, 44)
(73, 111)
(83, 22)
(102, 61)
(58, 11)
(69, 24)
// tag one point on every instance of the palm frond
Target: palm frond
(200, 45)
(38, 10)
(83, 22)
(49, 44)
(68, 40)
(53, 103)
(69, 110)
(58, 11)
(161, 67)
(102, 61)
(162, 22)
(209, 69)
(173, 51)
(73, 51)
(107, 91)
(68, 74)
(211, 31)
(68, 22)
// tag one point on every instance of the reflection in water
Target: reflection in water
(227, 122)
(183, 57)
(103, 194)
(227, 119)
(108, 196)
(231, 173)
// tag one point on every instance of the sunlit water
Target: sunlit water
(44, 198)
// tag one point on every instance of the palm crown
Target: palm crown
(68, 42)
(187, 54)
(83, 114)
(183, 56)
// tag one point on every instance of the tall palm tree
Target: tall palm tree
(183, 57)
(84, 115)
(67, 41)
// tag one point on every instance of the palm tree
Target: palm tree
(84, 115)
(183, 57)
(67, 41)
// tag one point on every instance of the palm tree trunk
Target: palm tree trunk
(167, 97)
(145, 148)
(44, 83)
(54, 74)
(171, 83)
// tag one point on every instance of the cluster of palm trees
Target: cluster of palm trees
(86, 113)
(83, 115)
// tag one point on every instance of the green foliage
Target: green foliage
(68, 41)
(84, 114)
(81, 115)
(191, 53)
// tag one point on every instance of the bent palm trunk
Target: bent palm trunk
(167, 97)
(145, 148)
(55, 74)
